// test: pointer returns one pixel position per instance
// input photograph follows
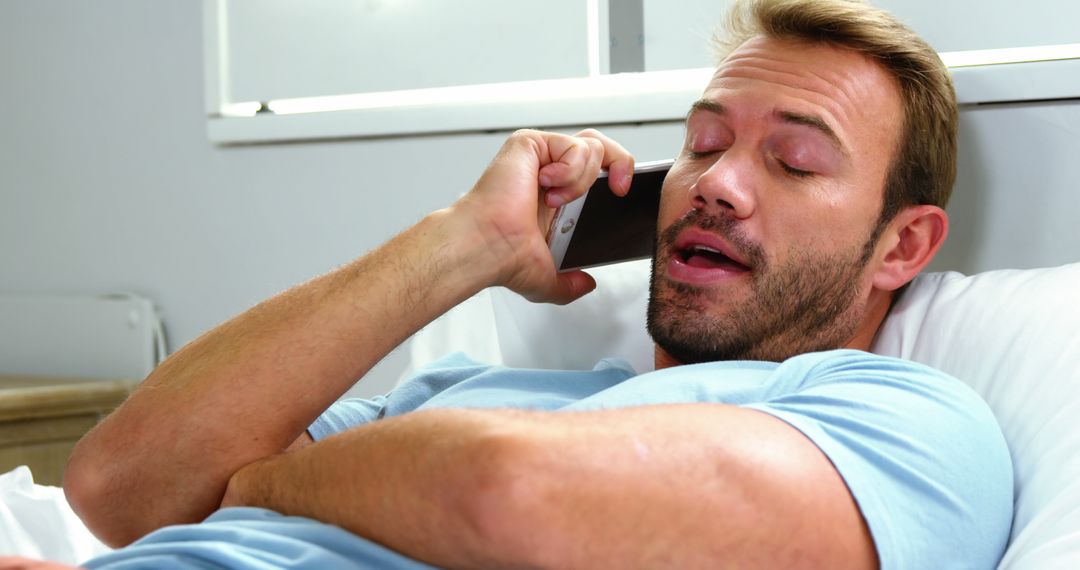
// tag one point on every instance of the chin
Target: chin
(767, 319)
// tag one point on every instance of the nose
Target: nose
(727, 186)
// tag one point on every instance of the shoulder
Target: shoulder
(847, 365)
(920, 451)
(886, 384)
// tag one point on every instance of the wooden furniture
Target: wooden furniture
(42, 418)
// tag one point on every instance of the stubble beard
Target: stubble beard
(807, 304)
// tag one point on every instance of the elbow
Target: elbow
(124, 486)
(98, 491)
(87, 488)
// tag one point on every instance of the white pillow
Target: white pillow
(1013, 335)
(500, 327)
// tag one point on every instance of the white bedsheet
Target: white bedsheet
(37, 522)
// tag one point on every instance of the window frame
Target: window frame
(982, 76)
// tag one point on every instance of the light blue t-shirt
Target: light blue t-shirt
(919, 450)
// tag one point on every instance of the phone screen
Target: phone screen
(611, 229)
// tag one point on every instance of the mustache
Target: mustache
(725, 226)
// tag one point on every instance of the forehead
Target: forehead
(856, 97)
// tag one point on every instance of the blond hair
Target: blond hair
(924, 168)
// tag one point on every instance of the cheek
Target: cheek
(674, 197)
(824, 231)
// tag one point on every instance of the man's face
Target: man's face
(765, 223)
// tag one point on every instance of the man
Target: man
(809, 190)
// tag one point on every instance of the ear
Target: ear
(910, 241)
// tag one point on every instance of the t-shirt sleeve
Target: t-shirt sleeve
(920, 452)
(428, 382)
(346, 414)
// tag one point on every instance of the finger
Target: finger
(571, 286)
(572, 176)
(617, 160)
(568, 156)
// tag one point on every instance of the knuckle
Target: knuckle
(522, 139)
(594, 147)
(522, 136)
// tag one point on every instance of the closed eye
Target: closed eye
(695, 155)
(796, 172)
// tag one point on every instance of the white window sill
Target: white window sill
(604, 100)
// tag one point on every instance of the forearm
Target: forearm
(248, 388)
(410, 483)
(683, 486)
(692, 485)
(483, 488)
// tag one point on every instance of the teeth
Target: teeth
(705, 248)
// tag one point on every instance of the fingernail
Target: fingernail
(554, 200)
(545, 181)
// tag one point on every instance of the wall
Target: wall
(678, 38)
(107, 181)
(1016, 198)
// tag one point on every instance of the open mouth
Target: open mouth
(705, 257)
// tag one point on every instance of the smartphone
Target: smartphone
(600, 228)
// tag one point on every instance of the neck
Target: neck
(662, 360)
(877, 308)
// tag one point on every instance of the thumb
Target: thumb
(571, 286)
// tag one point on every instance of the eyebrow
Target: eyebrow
(706, 105)
(817, 123)
(812, 121)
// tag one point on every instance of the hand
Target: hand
(515, 200)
